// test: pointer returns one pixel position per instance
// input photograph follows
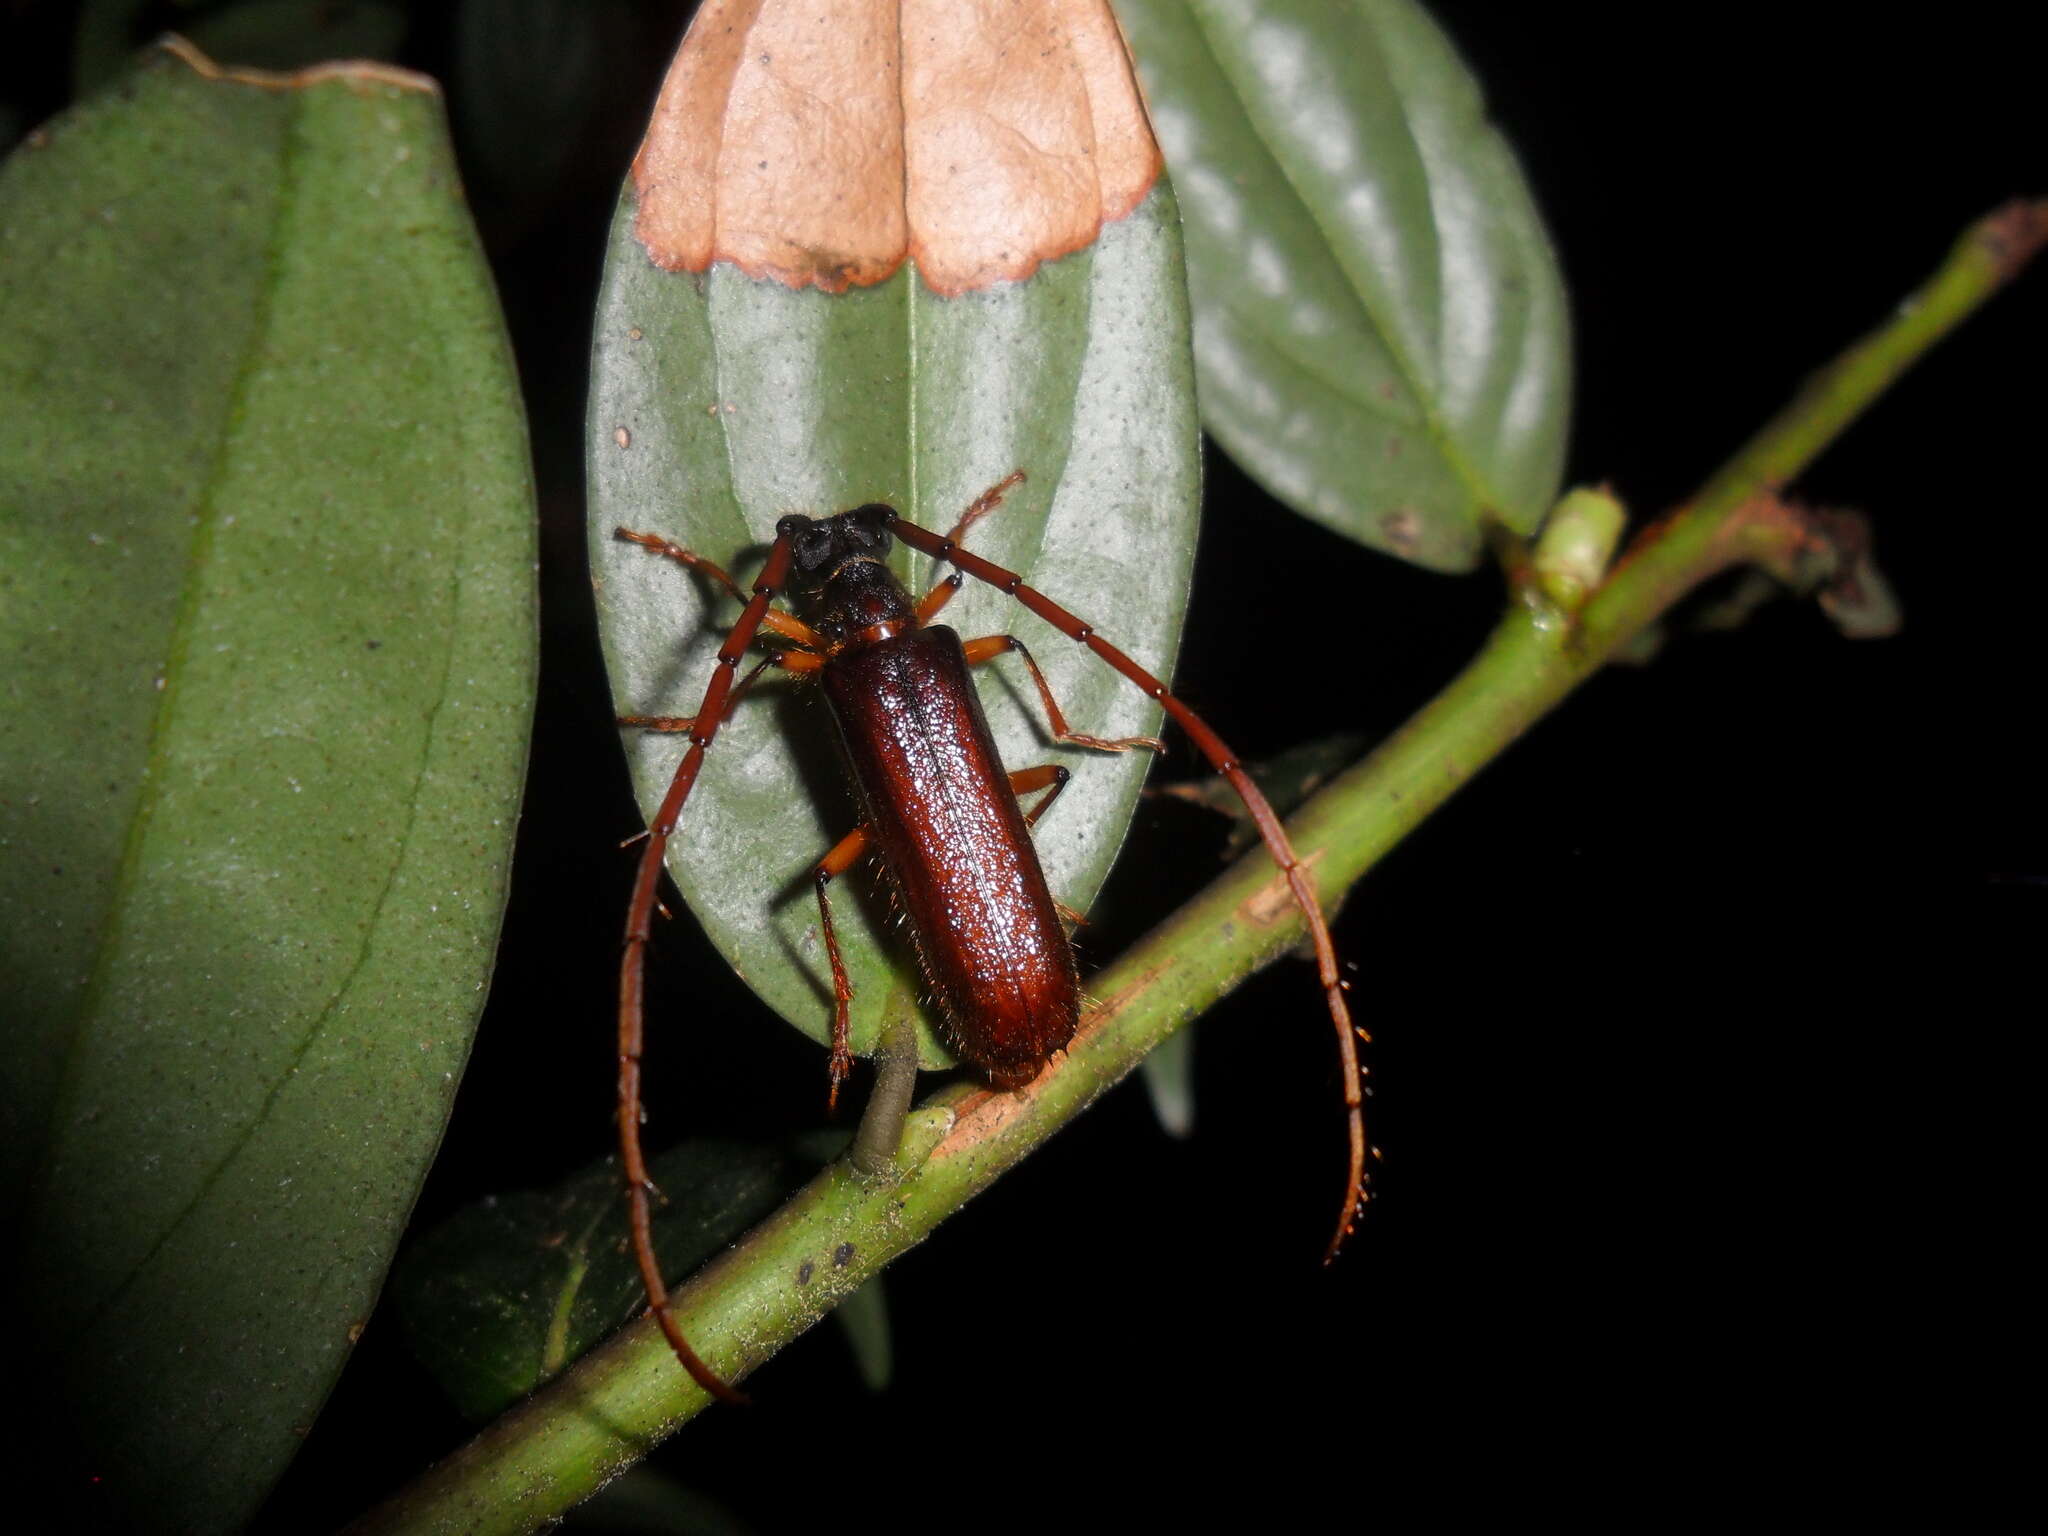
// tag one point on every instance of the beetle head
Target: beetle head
(819, 546)
(841, 569)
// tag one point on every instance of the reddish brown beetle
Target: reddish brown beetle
(939, 810)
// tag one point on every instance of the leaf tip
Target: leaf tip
(979, 139)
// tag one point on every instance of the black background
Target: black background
(1701, 1039)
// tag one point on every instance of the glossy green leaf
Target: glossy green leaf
(503, 1295)
(266, 597)
(718, 403)
(1380, 325)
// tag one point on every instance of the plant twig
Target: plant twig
(583, 1429)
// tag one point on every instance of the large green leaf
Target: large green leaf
(720, 402)
(266, 601)
(1379, 322)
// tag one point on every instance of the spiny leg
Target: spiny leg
(1300, 884)
(991, 646)
(985, 503)
(787, 625)
(680, 724)
(943, 589)
(844, 855)
(633, 962)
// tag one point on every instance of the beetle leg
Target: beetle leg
(686, 723)
(787, 625)
(984, 504)
(941, 594)
(844, 855)
(942, 590)
(788, 661)
(991, 646)
(633, 962)
(1050, 777)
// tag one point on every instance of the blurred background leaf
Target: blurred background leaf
(502, 1295)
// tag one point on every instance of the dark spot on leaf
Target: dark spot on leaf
(804, 1271)
(842, 1256)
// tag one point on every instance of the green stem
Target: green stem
(837, 1232)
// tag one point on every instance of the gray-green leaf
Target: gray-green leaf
(1380, 326)
(719, 402)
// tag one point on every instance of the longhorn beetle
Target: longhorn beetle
(937, 807)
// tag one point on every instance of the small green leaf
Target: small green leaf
(1380, 325)
(502, 1296)
(864, 1315)
(1170, 1083)
(266, 596)
(719, 403)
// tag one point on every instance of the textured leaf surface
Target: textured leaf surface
(720, 402)
(1380, 325)
(266, 599)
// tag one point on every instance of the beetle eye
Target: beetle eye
(812, 546)
(869, 527)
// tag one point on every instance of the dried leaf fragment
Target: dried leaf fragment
(823, 141)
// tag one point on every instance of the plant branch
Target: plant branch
(583, 1429)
